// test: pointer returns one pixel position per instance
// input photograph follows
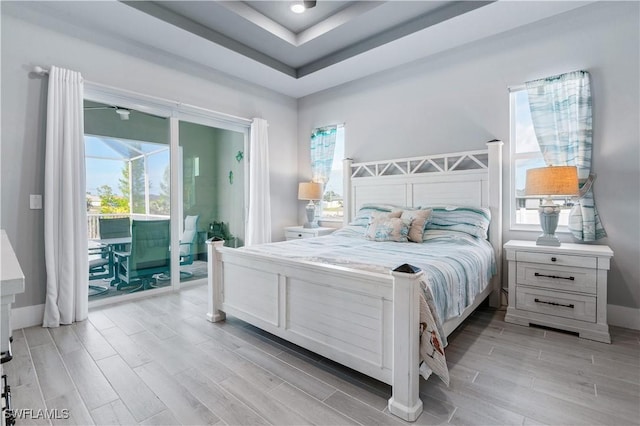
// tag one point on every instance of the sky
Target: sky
(526, 137)
(107, 170)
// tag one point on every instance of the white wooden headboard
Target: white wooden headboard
(470, 178)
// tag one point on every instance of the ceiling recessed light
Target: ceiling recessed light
(298, 8)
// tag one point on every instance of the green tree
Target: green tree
(330, 195)
(137, 185)
(111, 203)
(161, 205)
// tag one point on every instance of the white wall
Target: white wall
(458, 100)
(23, 121)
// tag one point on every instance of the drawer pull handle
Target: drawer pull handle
(553, 259)
(554, 303)
(554, 276)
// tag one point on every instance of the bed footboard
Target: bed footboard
(356, 318)
(405, 401)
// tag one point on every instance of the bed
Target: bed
(324, 307)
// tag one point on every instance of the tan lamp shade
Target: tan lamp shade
(309, 191)
(552, 180)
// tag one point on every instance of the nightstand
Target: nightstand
(297, 232)
(561, 287)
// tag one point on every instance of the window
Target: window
(525, 154)
(332, 207)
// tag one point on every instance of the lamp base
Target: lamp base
(548, 240)
(549, 214)
(311, 216)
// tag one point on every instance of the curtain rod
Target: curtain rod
(40, 71)
(177, 104)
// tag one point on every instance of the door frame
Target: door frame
(174, 111)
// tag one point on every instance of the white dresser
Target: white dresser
(561, 287)
(11, 283)
(297, 232)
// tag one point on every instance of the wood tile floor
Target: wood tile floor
(159, 362)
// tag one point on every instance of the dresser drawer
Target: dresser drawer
(294, 235)
(565, 278)
(574, 306)
(557, 259)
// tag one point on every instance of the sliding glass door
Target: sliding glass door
(212, 193)
(162, 178)
(127, 155)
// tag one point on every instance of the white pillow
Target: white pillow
(416, 220)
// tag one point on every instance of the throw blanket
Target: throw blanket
(431, 344)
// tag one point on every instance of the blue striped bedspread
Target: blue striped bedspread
(457, 266)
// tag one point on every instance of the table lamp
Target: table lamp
(549, 182)
(310, 191)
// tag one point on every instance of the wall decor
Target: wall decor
(239, 156)
(231, 178)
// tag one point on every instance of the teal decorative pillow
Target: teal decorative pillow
(387, 229)
(471, 220)
(363, 217)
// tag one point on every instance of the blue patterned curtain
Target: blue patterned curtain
(323, 143)
(561, 113)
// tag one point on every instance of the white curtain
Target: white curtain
(65, 215)
(259, 220)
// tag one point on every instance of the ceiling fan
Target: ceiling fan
(123, 113)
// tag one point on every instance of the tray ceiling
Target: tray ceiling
(263, 42)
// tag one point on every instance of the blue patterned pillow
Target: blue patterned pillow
(363, 217)
(472, 220)
(387, 229)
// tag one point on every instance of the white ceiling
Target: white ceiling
(263, 42)
(299, 44)
(280, 12)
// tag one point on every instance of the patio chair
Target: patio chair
(119, 227)
(148, 257)
(187, 246)
(188, 243)
(100, 267)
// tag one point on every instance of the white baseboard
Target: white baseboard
(27, 316)
(620, 316)
(623, 316)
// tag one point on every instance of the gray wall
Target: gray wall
(199, 141)
(216, 199)
(100, 59)
(230, 195)
(458, 100)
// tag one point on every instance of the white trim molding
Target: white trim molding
(619, 316)
(27, 316)
(623, 316)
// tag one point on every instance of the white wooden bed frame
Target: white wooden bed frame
(366, 321)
